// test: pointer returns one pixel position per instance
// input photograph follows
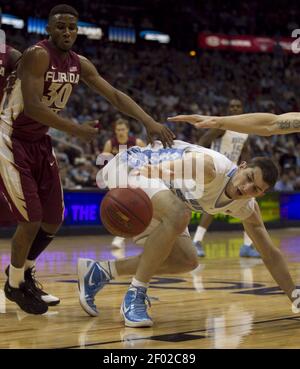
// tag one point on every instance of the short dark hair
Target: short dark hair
(63, 9)
(269, 169)
(120, 121)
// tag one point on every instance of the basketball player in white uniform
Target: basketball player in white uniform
(213, 184)
(235, 147)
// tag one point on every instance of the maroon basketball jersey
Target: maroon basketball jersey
(59, 81)
(115, 144)
(6, 68)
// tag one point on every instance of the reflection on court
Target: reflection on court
(228, 302)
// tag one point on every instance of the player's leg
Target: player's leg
(6, 215)
(51, 197)
(180, 257)
(92, 277)
(19, 188)
(205, 222)
(183, 258)
(44, 237)
(173, 218)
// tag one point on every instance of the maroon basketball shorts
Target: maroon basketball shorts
(6, 215)
(29, 179)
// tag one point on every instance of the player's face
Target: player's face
(121, 131)
(247, 183)
(63, 31)
(235, 107)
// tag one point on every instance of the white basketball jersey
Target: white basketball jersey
(210, 200)
(230, 144)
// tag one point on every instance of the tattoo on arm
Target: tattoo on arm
(289, 124)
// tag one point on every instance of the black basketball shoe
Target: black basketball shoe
(37, 287)
(25, 298)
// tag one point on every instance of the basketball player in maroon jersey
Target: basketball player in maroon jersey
(121, 137)
(8, 60)
(29, 176)
(112, 146)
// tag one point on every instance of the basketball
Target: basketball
(126, 212)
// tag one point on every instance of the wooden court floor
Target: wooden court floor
(230, 303)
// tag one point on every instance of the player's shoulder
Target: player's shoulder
(82, 58)
(36, 52)
(35, 59)
(84, 61)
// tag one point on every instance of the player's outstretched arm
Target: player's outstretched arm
(34, 65)
(272, 257)
(262, 124)
(123, 103)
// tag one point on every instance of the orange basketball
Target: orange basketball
(126, 212)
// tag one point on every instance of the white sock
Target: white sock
(110, 267)
(29, 264)
(118, 242)
(136, 283)
(119, 239)
(199, 235)
(247, 240)
(16, 276)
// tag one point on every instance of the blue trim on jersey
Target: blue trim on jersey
(231, 172)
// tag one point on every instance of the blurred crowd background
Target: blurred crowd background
(166, 80)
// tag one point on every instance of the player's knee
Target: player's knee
(186, 254)
(187, 264)
(29, 227)
(51, 228)
(191, 260)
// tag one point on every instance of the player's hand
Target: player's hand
(163, 133)
(92, 124)
(88, 130)
(198, 121)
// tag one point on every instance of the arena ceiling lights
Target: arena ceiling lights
(150, 35)
(11, 20)
(38, 25)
